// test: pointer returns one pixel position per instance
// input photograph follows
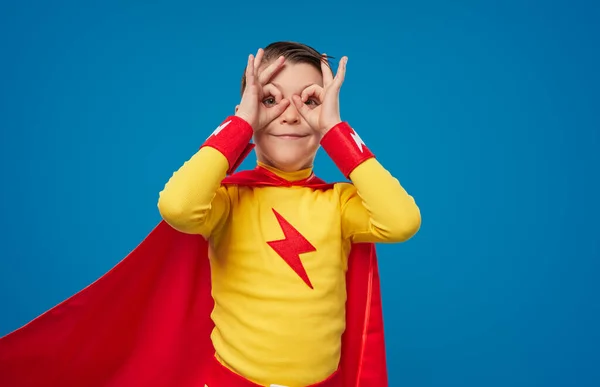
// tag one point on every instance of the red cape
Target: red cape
(146, 322)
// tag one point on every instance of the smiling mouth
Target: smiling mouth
(290, 136)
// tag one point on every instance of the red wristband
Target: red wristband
(232, 139)
(345, 147)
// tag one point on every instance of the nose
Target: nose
(290, 115)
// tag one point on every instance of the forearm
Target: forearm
(379, 208)
(192, 200)
(185, 202)
(394, 214)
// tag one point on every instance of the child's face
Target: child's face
(288, 143)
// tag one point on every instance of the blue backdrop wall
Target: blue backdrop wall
(487, 112)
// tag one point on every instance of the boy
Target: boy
(279, 301)
(292, 286)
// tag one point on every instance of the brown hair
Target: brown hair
(294, 53)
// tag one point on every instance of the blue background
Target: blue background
(487, 112)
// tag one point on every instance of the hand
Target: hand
(251, 108)
(326, 114)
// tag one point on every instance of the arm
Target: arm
(193, 200)
(376, 208)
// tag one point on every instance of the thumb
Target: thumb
(277, 110)
(301, 106)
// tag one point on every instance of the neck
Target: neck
(292, 175)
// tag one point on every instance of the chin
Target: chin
(288, 160)
(288, 156)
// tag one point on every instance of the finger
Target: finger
(259, 56)
(272, 90)
(312, 91)
(326, 70)
(267, 74)
(341, 73)
(277, 110)
(250, 71)
(301, 106)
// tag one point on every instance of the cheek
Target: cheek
(263, 142)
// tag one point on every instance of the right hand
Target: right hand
(251, 108)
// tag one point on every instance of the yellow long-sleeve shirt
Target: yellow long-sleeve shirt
(270, 326)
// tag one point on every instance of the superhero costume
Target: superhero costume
(147, 321)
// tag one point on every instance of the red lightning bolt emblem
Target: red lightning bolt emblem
(291, 246)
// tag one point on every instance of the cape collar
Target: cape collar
(295, 178)
(263, 175)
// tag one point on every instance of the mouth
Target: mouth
(290, 136)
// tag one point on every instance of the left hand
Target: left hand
(327, 113)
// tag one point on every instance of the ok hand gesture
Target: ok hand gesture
(251, 108)
(327, 114)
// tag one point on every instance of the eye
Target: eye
(312, 102)
(269, 101)
(271, 95)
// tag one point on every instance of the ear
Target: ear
(236, 108)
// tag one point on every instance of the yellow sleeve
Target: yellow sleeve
(376, 208)
(193, 201)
